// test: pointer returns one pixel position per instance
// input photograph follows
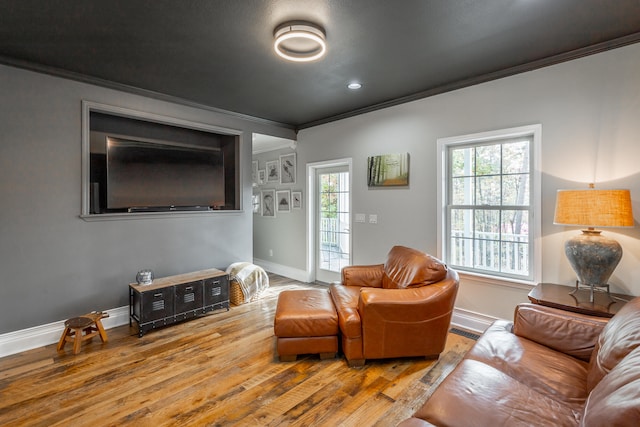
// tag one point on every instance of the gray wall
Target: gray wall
(53, 264)
(589, 110)
(284, 235)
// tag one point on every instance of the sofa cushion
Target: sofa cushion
(615, 401)
(469, 394)
(575, 336)
(620, 337)
(407, 267)
(548, 372)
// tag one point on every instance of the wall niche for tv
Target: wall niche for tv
(139, 163)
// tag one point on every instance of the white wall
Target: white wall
(590, 115)
(53, 264)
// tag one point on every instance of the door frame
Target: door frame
(312, 169)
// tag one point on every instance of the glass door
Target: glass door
(333, 222)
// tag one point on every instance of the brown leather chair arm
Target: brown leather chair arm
(407, 304)
(363, 275)
(574, 334)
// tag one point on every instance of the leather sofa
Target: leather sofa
(401, 308)
(547, 368)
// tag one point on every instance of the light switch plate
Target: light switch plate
(373, 219)
(360, 218)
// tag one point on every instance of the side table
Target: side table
(559, 296)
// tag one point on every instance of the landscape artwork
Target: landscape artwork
(388, 170)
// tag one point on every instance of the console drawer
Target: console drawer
(157, 304)
(188, 296)
(216, 290)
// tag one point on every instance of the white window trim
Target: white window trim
(442, 171)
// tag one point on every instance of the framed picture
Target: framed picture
(255, 203)
(261, 176)
(273, 171)
(388, 170)
(254, 172)
(296, 200)
(268, 203)
(288, 169)
(283, 198)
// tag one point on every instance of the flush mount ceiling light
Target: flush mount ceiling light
(300, 41)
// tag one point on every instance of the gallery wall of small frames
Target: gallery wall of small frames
(280, 172)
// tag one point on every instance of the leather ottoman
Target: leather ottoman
(306, 322)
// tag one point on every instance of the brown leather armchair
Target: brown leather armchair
(401, 308)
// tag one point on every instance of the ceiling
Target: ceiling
(218, 54)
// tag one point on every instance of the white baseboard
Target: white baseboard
(471, 321)
(39, 336)
(283, 270)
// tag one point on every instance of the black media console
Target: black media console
(171, 299)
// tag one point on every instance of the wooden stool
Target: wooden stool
(85, 327)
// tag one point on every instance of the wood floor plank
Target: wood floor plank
(30, 367)
(220, 369)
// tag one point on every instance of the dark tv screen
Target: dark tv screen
(143, 174)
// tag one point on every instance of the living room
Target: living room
(56, 265)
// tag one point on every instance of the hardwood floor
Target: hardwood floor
(217, 370)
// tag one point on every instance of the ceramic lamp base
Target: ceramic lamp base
(593, 257)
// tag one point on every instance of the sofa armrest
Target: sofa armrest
(363, 275)
(408, 304)
(571, 333)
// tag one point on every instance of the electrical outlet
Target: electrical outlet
(373, 219)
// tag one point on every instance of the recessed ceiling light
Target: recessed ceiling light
(354, 85)
(300, 41)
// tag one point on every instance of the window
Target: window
(490, 198)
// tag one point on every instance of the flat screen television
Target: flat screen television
(161, 176)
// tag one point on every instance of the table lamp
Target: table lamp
(592, 256)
